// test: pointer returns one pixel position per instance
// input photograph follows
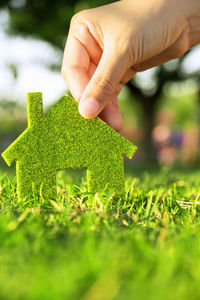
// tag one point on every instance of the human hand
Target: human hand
(107, 45)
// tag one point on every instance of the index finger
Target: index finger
(75, 66)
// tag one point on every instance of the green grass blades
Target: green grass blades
(61, 139)
(145, 247)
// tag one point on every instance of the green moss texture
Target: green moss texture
(62, 139)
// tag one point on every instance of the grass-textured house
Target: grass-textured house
(62, 139)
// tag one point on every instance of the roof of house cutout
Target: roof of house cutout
(62, 139)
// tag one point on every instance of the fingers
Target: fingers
(75, 66)
(130, 73)
(81, 56)
(83, 35)
(111, 114)
(94, 77)
(103, 85)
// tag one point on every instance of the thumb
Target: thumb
(103, 85)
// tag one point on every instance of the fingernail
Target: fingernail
(89, 108)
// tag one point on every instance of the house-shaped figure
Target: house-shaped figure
(62, 139)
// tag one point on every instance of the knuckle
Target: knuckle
(119, 88)
(75, 18)
(104, 85)
(125, 42)
(123, 48)
(79, 17)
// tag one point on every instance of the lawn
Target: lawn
(146, 246)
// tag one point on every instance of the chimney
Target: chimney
(34, 108)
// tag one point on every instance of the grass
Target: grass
(146, 246)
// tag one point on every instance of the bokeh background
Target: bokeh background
(160, 107)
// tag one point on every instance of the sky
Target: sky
(32, 56)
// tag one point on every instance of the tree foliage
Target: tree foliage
(46, 19)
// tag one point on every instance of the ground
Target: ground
(146, 246)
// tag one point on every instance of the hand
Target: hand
(107, 45)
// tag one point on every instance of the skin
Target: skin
(108, 45)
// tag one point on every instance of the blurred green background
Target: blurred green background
(145, 246)
(160, 107)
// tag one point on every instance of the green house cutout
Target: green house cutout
(62, 139)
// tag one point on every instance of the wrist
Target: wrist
(190, 7)
(191, 11)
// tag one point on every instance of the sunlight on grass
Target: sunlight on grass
(147, 244)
